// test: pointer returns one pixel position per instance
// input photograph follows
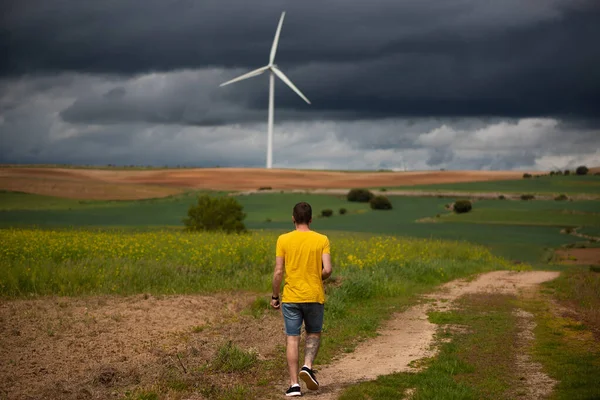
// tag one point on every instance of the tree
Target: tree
(380, 203)
(328, 212)
(216, 214)
(462, 206)
(582, 170)
(360, 195)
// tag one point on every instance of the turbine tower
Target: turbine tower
(273, 70)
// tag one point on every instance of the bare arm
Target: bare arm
(277, 278)
(327, 269)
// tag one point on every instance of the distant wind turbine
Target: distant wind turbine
(273, 70)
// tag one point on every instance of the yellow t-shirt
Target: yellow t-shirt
(302, 253)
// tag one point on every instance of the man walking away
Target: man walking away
(305, 255)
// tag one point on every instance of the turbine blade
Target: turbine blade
(285, 79)
(276, 40)
(250, 74)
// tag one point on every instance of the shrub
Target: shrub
(462, 206)
(582, 170)
(360, 195)
(551, 173)
(383, 189)
(526, 176)
(216, 214)
(502, 197)
(558, 173)
(527, 197)
(561, 197)
(380, 203)
(567, 172)
(327, 212)
(343, 211)
(265, 188)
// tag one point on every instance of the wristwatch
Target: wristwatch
(274, 297)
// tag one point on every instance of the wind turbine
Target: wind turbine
(273, 70)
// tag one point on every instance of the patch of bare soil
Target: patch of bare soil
(73, 185)
(587, 256)
(98, 347)
(408, 336)
(136, 184)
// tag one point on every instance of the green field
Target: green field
(592, 231)
(383, 261)
(530, 213)
(555, 185)
(526, 240)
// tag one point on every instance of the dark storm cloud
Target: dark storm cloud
(364, 59)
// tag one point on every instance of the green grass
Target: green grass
(567, 350)
(231, 358)
(590, 230)
(579, 288)
(524, 243)
(555, 185)
(20, 209)
(475, 364)
(278, 206)
(527, 217)
(373, 274)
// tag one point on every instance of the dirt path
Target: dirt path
(408, 336)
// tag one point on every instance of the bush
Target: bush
(561, 197)
(327, 212)
(216, 214)
(265, 188)
(383, 189)
(360, 195)
(462, 206)
(380, 203)
(343, 211)
(582, 170)
(558, 173)
(567, 172)
(526, 176)
(527, 197)
(502, 197)
(552, 173)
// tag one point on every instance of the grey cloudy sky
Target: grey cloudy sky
(416, 84)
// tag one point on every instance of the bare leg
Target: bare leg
(313, 341)
(292, 344)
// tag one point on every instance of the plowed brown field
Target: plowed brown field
(136, 184)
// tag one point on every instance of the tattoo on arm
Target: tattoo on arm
(312, 347)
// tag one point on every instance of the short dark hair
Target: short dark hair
(302, 213)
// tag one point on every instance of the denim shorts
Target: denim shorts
(296, 313)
